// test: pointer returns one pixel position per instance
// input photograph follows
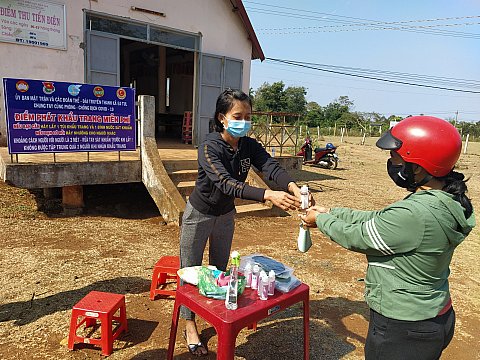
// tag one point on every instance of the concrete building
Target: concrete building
(182, 52)
(179, 55)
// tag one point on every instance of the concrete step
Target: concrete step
(256, 209)
(175, 165)
(183, 175)
(185, 188)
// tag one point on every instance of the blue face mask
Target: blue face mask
(238, 128)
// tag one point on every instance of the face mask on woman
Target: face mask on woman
(398, 174)
(237, 128)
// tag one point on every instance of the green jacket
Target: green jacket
(409, 246)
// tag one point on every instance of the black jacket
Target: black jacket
(222, 173)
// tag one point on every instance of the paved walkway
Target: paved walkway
(169, 149)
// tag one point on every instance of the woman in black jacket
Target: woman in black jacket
(224, 160)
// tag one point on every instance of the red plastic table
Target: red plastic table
(228, 323)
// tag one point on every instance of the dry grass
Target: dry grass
(49, 262)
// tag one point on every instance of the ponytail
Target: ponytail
(455, 185)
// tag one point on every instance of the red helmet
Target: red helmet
(430, 142)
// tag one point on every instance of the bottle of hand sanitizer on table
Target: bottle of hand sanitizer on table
(232, 291)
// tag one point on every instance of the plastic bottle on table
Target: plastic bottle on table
(255, 275)
(248, 275)
(263, 293)
(232, 291)
(271, 282)
(261, 280)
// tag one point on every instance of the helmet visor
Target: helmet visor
(389, 142)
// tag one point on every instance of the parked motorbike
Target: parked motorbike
(325, 157)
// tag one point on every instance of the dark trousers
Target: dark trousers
(413, 340)
(197, 228)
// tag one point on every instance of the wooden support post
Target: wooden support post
(281, 139)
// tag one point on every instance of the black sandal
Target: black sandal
(192, 348)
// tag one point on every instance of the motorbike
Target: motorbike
(325, 157)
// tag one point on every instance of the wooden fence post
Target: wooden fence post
(466, 144)
(281, 139)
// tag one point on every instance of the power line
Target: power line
(380, 23)
(362, 19)
(319, 68)
(297, 81)
(450, 33)
(372, 25)
(341, 28)
(407, 76)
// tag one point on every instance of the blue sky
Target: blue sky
(388, 50)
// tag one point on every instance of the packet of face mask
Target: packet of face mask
(304, 241)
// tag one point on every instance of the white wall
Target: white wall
(222, 34)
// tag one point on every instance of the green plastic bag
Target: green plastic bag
(208, 287)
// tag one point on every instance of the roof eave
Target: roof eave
(257, 52)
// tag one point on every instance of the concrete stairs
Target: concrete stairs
(184, 174)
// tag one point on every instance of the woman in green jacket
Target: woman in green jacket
(409, 244)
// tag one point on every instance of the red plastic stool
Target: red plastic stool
(165, 269)
(100, 306)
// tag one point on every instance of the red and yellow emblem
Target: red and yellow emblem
(48, 87)
(98, 91)
(22, 86)
(121, 94)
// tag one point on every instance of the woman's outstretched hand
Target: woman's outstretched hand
(282, 199)
(309, 219)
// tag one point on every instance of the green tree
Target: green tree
(277, 98)
(334, 111)
(314, 115)
(295, 99)
(270, 97)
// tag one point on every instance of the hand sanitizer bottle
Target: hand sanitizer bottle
(261, 279)
(255, 275)
(232, 291)
(263, 294)
(304, 197)
(248, 275)
(271, 282)
(304, 240)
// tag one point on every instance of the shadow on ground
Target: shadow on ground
(281, 336)
(25, 312)
(127, 201)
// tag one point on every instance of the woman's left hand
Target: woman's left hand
(282, 199)
(295, 190)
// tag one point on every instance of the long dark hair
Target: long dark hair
(225, 103)
(456, 185)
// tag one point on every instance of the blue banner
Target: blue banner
(53, 116)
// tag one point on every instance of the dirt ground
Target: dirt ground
(49, 262)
